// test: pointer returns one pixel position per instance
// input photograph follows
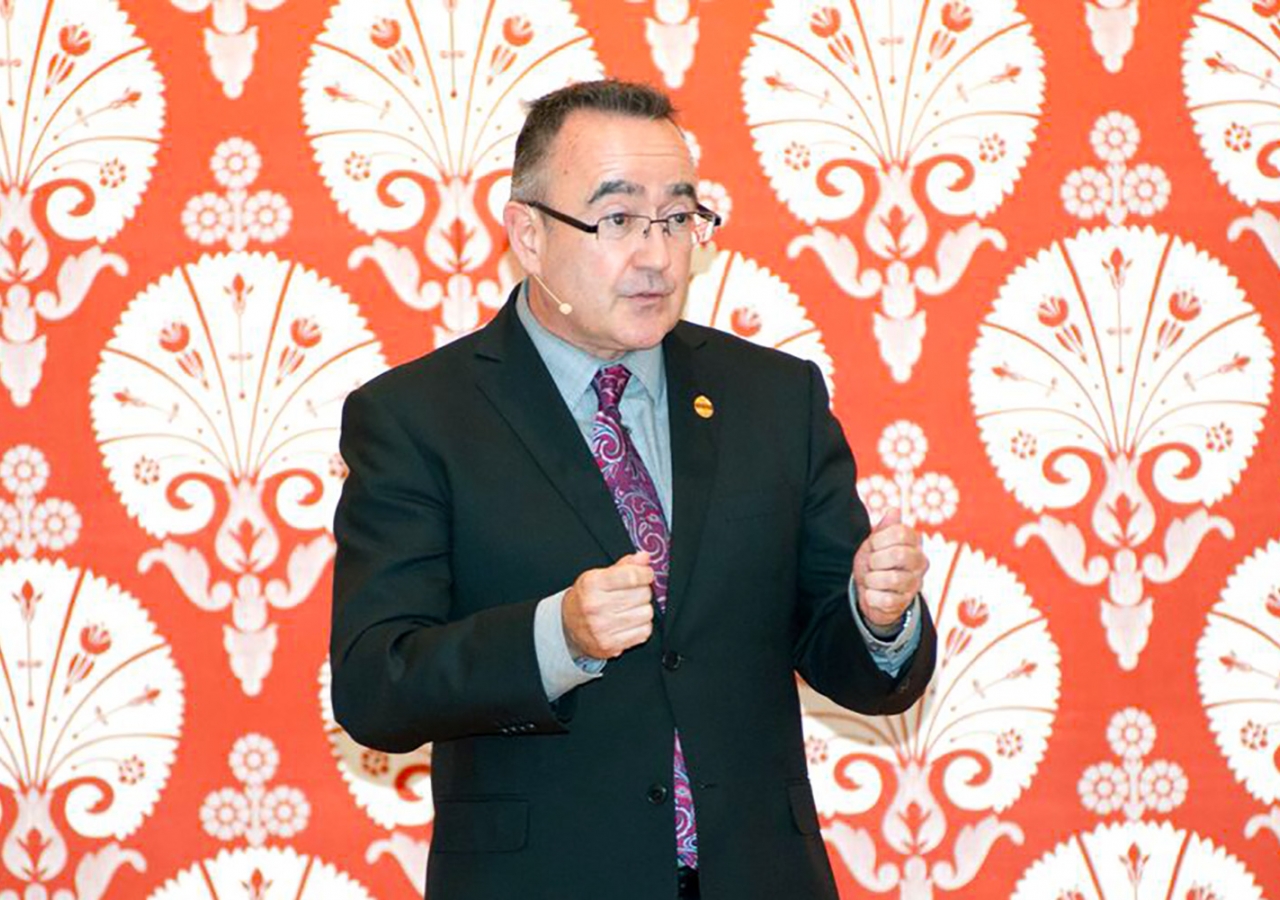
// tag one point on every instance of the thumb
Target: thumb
(891, 516)
(639, 558)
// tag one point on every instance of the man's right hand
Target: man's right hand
(607, 611)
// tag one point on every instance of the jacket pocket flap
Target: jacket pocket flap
(480, 826)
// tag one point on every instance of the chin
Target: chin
(649, 333)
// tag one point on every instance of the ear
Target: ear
(527, 236)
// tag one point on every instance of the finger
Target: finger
(604, 608)
(622, 576)
(893, 580)
(625, 640)
(638, 558)
(633, 606)
(897, 557)
(883, 607)
(892, 536)
(891, 516)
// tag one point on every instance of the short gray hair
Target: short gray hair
(546, 117)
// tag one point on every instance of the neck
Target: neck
(545, 308)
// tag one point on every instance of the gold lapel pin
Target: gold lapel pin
(702, 406)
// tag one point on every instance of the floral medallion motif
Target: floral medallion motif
(90, 718)
(1239, 673)
(216, 407)
(26, 523)
(1131, 784)
(254, 811)
(1137, 860)
(916, 118)
(1232, 85)
(923, 498)
(930, 782)
(412, 109)
(233, 214)
(261, 874)
(1119, 189)
(81, 109)
(1119, 368)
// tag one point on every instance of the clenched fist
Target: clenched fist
(607, 611)
(888, 570)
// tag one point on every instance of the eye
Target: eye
(615, 220)
(680, 219)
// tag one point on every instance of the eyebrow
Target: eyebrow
(631, 189)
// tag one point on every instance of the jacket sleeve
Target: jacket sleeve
(405, 672)
(830, 652)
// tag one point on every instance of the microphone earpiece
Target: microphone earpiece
(563, 307)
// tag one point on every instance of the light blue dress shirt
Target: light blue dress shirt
(644, 409)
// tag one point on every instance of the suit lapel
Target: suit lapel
(517, 383)
(694, 440)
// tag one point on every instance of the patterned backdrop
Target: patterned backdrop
(1033, 244)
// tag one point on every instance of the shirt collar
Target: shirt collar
(572, 368)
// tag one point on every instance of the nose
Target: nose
(651, 250)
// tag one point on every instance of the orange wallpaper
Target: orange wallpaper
(1032, 244)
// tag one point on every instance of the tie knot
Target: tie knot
(609, 383)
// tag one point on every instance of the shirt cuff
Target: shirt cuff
(892, 654)
(560, 671)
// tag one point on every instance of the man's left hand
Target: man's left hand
(888, 570)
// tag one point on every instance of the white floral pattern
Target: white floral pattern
(27, 523)
(920, 110)
(1119, 189)
(230, 42)
(81, 111)
(1114, 352)
(235, 163)
(1237, 666)
(1111, 26)
(220, 392)
(936, 777)
(1133, 785)
(737, 295)
(672, 35)
(412, 107)
(1229, 77)
(236, 217)
(261, 873)
(928, 498)
(1122, 862)
(90, 714)
(253, 811)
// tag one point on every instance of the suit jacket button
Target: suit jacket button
(657, 794)
(671, 660)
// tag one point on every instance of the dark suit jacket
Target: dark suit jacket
(472, 495)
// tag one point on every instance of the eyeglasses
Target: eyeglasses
(697, 225)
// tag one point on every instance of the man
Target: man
(586, 549)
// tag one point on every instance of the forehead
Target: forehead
(592, 148)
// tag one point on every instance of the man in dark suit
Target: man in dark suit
(586, 549)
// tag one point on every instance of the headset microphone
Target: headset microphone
(564, 308)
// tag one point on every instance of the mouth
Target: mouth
(649, 297)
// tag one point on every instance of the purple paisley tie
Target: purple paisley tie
(637, 500)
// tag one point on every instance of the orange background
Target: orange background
(1094, 687)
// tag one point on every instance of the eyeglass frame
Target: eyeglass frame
(699, 210)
